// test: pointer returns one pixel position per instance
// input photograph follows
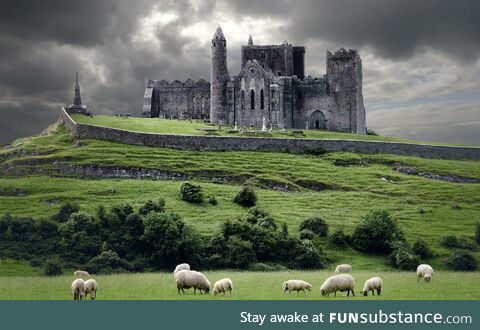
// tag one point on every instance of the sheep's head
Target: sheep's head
(309, 287)
(427, 278)
(324, 292)
(365, 293)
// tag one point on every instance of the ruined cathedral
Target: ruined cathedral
(271, 87)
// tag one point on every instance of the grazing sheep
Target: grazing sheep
(81, 273)
(91, 287)
(187, 279)
(343, 268)
(425, 271)
(296, 285)
(78, 289)
(375, 283)
(224, 285)
(342, 282)
(181, 267)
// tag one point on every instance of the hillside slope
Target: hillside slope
(37, 174)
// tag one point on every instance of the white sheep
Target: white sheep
(78, 289)
(424, 271)
(91, 287)
(296, 285)
(224, 285)
(81, 274)
(187, 279)
(181, 267)
(343, 268)
(342, 282)
(372, 284)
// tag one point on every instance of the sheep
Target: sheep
(375, 283)
(342, 282)
(343, 268)
(181, 267)
(425, 271)
(223, 285)
(187, 279)
(81, 273)
(91, 287)
(78, 289)
(296, 285)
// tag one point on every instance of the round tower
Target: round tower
(219, 78)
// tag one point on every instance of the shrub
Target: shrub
(267, 267)
(65, 211)
(35, 262)
(453, 242)
(315, 151)
(339, 238)
(307, 234)
(316, 225)
(246, 197)
(261, 218)
(405, 260)
(240, 253)
(449, 241)
(212, 200)
(376, 232)
(107, 262)
(53, 267)
(371, 132)
(191, 193)
(421, 249)
(151, 206)
(308, 257)
(461, 260)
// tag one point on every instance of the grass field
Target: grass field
(247, 285)
(196, 127)
(425, 208)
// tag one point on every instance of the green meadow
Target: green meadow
(246, 286)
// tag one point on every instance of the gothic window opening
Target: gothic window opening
(279, 73)
(263, 55)
(261, 100)
(242, 100)
(252, 100)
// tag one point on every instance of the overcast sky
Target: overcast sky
(421, 59)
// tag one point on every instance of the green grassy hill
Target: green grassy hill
(35, 178)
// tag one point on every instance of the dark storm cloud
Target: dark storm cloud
(393, 28)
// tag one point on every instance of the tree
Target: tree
(376, 232)
(461, 260)
(246, 197)
(191, 193)
(316, 225)
(151, 206)
(65, 211)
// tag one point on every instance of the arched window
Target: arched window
(252, 100)
(261, 99)
(242, 100)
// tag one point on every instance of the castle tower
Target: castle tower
(219, 78)
(250, 40)
(77, 106)
(344, 79)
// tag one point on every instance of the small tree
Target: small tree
(316, 225)
(53, 267)
(339, 237)
(191, 193)
(461, 260)
(107, 262)
(240, 253)
(421, 249)
(65, 211)
(376, 232)
(246, 197)
(151, 206)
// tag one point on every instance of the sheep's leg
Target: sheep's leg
(194, 290)
(373, 291)
(378, 291)
(348, 292)
(335, 293)
(353, 293)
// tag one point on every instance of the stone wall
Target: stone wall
(223, 143)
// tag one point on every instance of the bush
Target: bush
(212, 200)
(307, 234)
(421, 249)
(308, 257)
(316, 225)
(371, 132)
(65, 211)
(315, 151)
(240, 253)
(461, 260)
(35, 262)
(107, 262)
(404, 260)
(191, 193)
(261, 218)
(376, 232)
(267, 267)
(453, 242)
(246, 197)
(339, 238)
(151, 206)
(53, 267)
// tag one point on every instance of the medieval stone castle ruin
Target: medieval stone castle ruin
(270, 88)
